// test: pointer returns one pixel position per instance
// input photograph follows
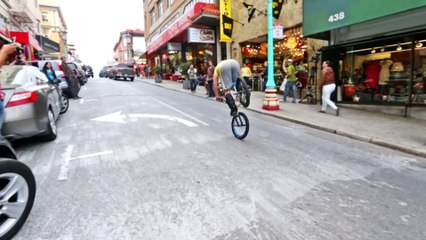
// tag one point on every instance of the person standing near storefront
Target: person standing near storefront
(210, 72)
(327, 85)
(291, 81)
(265, 76)
(246, 74)
(70, 78)
(192, 75)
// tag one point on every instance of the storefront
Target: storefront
(188, 39)
(292, 45)
(379, 56)
(32, 49)
(51, 49)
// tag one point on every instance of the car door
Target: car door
(49, 90)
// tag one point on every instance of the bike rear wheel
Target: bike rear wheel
(244, 92)
(240, 125)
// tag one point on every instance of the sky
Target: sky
(94, 26)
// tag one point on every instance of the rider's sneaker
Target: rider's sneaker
(234, 112)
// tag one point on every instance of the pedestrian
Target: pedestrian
(246, 74)
(210, 72)
(291, 81)
(5, 51)
(192, 75)
(49, 72)
(265, 76)
(72, 81)
(327, 85)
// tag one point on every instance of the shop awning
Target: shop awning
(208, 16)
(49, 46)
(179, 26)
(26, 38)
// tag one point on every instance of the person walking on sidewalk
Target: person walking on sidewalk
(246, 74)
(192, 75)
(327, 85)
(210, 72)
(70, 78)
(291, 81)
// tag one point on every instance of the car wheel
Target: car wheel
(65, 103)
(132, 79)
(52, 130)
(17, 193)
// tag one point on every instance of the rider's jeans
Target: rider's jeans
(290, 85)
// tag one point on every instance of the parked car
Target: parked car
(123, 70)
(16, 200)
(79, 72)
(32, 104)
(88, 70)
(103, 72)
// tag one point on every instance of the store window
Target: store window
(385, 73)
(419, 79)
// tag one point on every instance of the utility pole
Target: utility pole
(270, 102)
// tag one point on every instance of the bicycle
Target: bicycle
(240, 124)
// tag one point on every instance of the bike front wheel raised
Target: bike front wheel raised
(240, 125)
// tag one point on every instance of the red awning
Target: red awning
(25, 38)
(180, 25)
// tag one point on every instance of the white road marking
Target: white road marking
(93, 154)
(113, 117)
(63, 174)
(166, 117)
(177, 110)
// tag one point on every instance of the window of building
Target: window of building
(152, 14)
(160, 8)
(170, 2)
(45, 17)
(383, 72)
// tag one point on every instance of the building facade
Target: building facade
(378, 49)
(36, 24)
(53, 30)
(130, 46)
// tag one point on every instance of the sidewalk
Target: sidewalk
(398, 133)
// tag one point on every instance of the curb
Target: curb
(375, 141)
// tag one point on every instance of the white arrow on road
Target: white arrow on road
(119, 118)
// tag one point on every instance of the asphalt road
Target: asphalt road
(139, 162)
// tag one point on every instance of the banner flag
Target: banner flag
(226, 22)
(228, 25)
(250, 9)
(276, 8)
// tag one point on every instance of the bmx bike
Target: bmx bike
(240, 124)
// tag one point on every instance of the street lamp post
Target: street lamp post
(270, 102)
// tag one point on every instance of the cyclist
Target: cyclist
(228, 71)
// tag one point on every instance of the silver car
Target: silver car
(32, 104)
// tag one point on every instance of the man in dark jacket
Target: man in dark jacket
(70, 78)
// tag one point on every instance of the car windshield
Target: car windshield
(12, 76)
(123, 65)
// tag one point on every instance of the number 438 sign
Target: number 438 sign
(336, 17)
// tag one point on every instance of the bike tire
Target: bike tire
(244, 91)
(240, 122)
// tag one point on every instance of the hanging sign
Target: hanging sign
(278, 31)
(226, 22)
